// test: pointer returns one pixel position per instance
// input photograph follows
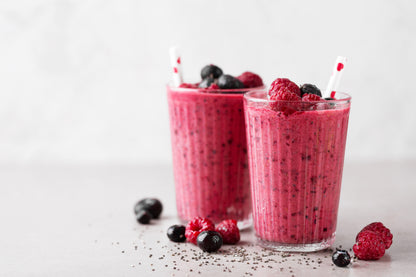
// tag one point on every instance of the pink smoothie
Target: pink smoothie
(296, 163)
(209, 155)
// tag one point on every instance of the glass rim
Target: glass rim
(235, 91)
(250, 97)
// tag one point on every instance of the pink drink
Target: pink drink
(296, 162)
(210, 154)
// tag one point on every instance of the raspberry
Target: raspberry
(229, 231)
(196, 226)
(285, 94)
(284, 83)
(380, 229)
(311, 97)
(213, 86)
(369, 246)
(250, 80)
(286, 107)
(188, 85)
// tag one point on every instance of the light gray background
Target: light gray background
(84, 81)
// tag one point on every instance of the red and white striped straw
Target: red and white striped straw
(336, 76)
(175, 62)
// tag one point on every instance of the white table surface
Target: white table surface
(78, 221)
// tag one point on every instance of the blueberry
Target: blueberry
(143, 217)
(311, 89)
(341, 258)
(329, 98)
(176, 233)
(229, 82)
(212, 71)
(209, 241)
(206, 82)
(152, 205)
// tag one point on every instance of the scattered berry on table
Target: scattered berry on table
(152, 205)
(196, 226)
(280, 83)
(212, 71)
(229, 82)
(209, 241)
(176, 233)
(380, 229)
(341, 258)
(310, 89)
(369, 246)
(250, 80)
(229, 231)
(143, 217)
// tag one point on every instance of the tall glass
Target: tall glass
(296, 157)
(210, 154)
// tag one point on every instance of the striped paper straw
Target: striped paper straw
(336, 76)
(175, 62)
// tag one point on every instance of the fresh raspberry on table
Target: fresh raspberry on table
(311, 97)
(250, 80)
(213, 86)
(280, 83)
(369, 246)
(229, 231)
(188, 85)
(196, 226)
(380, 229)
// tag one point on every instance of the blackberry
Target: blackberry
(310, 89)
(152, 205)
(143, 217)
(209, 241)
(206, 82)
(341, 258)
(211, 71)
(176, 233)
(229, 82)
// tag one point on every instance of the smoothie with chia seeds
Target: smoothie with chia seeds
(296, 155)
(210, 151)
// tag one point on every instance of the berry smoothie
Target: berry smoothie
(296, 156)
(210, 149)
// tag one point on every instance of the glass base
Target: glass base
(289, 247)
(245, 224)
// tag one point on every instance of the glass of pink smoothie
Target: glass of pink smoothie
(210, 154)
(296, 157)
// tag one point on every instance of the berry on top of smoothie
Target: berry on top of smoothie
(310, 89)
(226, 81)
(309, 97)
(206, 82)
(250, 79)
(212, 71)
(213, 78)
(188, 85)
(280, 83)
(284, 93)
